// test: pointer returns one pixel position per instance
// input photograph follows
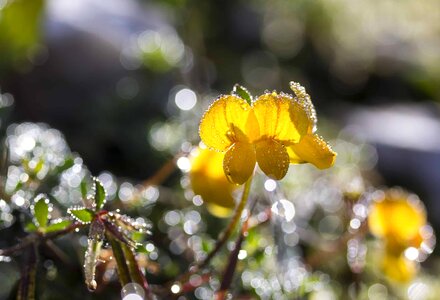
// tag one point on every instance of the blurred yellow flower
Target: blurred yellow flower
(398, 267)
(209, 181)
(275, 130)
(397, 217)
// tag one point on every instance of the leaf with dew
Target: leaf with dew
(40, 210)
(81, 214)
(100, 193)
(242, 92)
(118, 233)
(140, 248)
(57, 225)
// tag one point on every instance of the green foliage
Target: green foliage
(99, 194)
(19, 28)
(242, 92)
(58, 225)
(41, 211)
(81, 214)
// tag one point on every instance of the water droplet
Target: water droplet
(5, 258)
(411, 253)
(284, 209)
(355, 223)
(132, 291)
(92, 285)
(184, 164)
(185, 99)
(175, 288)
(242, 254)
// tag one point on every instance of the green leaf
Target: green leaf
(58, 225)
(99, 194)
(141, 249)
(242, 92)
(40, 210)
(30, 227)
(20, 29)
(81, 214)
(84, 189)
(68, 163)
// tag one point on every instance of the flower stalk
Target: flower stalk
(224, 236)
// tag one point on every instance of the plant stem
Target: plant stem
(123, 272)
(228, 274)
(224, 236)
(163, 173)
(26, 289)
(33, 238)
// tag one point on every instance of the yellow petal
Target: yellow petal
(312, 149)
(272, 158)
(239, 162)
(225, 122)
(274, 115)
(303, 109)
(209, 180)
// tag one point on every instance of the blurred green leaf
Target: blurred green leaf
(68, 163)
(84, 189)
(99, 194)
(41, 210)
(39, 166)
(60, 225)
(19, 28)
(30, 227)
(81, 214)
(137, 236)
(141, 249)
(242, 92)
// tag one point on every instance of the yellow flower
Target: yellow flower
(275, 130)
(209, 181)
(397, 217)
(398, 267)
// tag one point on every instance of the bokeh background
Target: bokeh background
(126, 82)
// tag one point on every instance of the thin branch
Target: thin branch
(231, 227)
(57, 253)
(26, 288)
(233, 259)
(33, 238)
(223, 238)
(163, 173)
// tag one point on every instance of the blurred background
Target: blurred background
(126, 82)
